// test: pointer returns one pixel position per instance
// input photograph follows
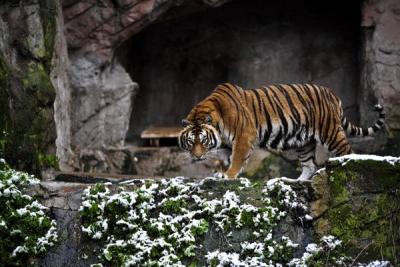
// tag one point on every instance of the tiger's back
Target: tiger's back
(285, 116)
(290, 116)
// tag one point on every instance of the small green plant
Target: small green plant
(48, 160)
(25, 229)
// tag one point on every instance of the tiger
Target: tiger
(282, 117)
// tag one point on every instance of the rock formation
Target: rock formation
(64, 55)
(355, 199)
(27, 72)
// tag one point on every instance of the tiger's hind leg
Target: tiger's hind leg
(306, 157)
(339, 145)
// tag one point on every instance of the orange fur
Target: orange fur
(280, 117)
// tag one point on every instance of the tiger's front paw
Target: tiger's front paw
(220, 175)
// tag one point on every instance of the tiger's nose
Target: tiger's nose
(196, 152)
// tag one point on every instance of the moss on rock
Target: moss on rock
(363, 207)
(27, 129)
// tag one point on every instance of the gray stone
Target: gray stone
(102, 103)
(63, 200)
(95, 32)
(381, 62)
(357, 202)
(62, 103)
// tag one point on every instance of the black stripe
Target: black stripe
(304, 152)
(312, 107)
(333, 136)
(281, 114)
(380, 123)
(277, 139)
(237, 105)
(253, 104)
(307, 159)
(213, 139)
(264, 90)
(321, 113)
(346, 124)
(365, 132)
(341, 147)
(375, 128)
(255, 112)
(232, 97)
(217, 105)
(292, 106)
(299, 96)
(266, 116)
(334, 145)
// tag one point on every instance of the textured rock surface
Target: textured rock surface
(102, 103)
(28, 32)
(64, 200)
(359, 203)
(236, 42)
(93, 26)
(95, 30)
(62, 102)
(381, 64)
(171, 162)
(102, 92)
(93, 109)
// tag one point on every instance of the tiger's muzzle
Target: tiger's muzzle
(198, 152)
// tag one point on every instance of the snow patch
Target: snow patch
(344, 159)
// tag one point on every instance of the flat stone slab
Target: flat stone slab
(90, 178)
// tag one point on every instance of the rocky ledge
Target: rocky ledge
(347, 215)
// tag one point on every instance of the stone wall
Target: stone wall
(356, 200)
(182, 59)
(102, 91)
(28, 83)
(95, 31)
(67, 63)
(380, 75)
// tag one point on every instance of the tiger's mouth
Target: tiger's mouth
(198, 159)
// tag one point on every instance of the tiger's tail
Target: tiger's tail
(354, 130)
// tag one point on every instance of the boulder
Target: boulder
(355, 199)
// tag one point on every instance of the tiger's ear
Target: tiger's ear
(185, 122)
(208, 119)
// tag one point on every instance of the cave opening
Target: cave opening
(180, 59)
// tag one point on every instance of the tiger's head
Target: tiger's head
(199, 136)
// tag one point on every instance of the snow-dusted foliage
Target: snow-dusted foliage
(287, 199)
(164, 223)
(327, 253)
(25, 229)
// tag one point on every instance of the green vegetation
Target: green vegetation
(165, 223)
(364, 208)
(25, 230)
